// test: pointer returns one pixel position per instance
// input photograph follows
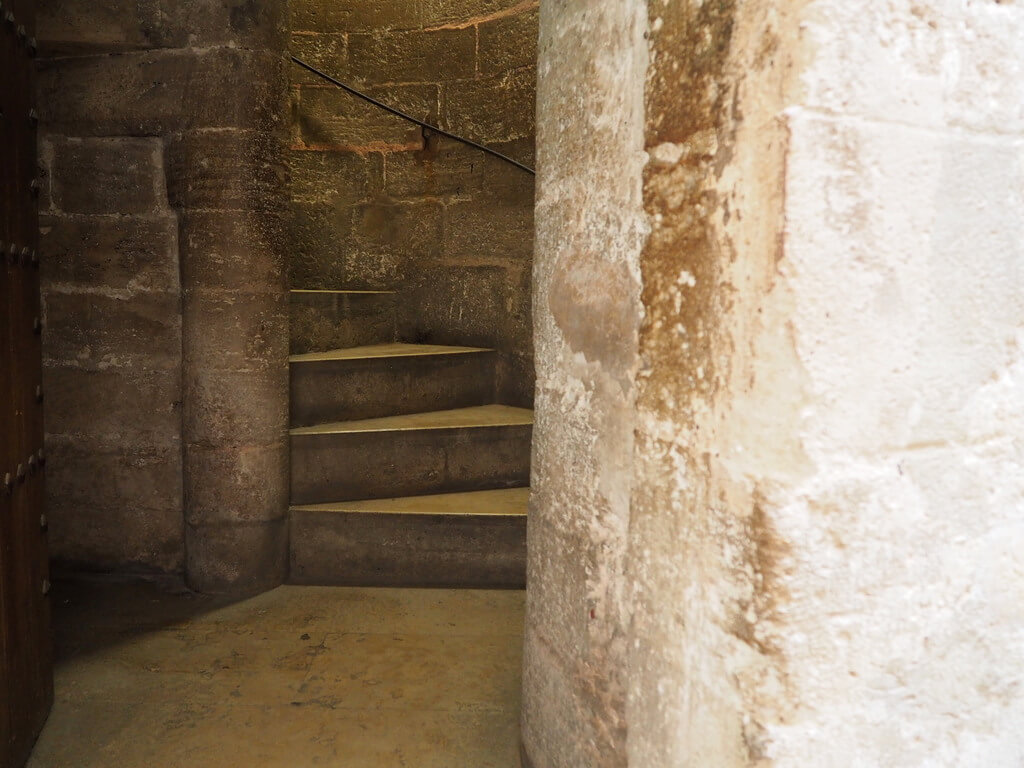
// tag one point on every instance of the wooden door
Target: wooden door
(26, 687)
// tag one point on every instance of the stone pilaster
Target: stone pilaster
(228, 183)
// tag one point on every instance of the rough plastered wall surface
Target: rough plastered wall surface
(377, 204)
(898, 614)
(829, 492)
(703, 555)
(826, 501)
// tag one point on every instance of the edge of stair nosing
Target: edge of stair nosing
(322, 509)
(512, 503)
(305, 357)
(315, 430)
(305, 431)
(340, 292)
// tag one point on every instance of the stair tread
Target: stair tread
(340, 291)
(393, 349)
(503, 502)
(476, 416)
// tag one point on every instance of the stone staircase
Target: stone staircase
(404, 470)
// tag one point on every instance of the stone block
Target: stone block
(509, 43)
(236, 559)
(116, 407)
(320, 238)
(114, 508)
(95, 331)
(70, 27)
(329, 118)
(443, 168)
(75, 27)
(327, 467)
(328, 52)
(922, 239)
(349, 267)
(338, 178)
(233, 250)
(331, 16)
(235, 407)
(420, 56)
(553, 683)
(481, 228)
(468, 106)
(121, 252)
(413, 227)
(330, 251)
(516, 378)
(247, 24)
(485, 306)
(328, 390)
(387, 550)
(118, 175)
(318, 230)
(555, 617)
(294, 113)
(231, 330)
(236, 484)
(443, 12)
(322, 321)
(503, 182)
(459, 305)
(153, 93)
(226, 170)
(852, 74)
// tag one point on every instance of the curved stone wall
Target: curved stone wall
(162, 139)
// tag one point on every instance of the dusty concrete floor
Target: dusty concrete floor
(301, 676)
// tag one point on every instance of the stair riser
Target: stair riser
(321, 322)
(342, 390)
(359, 549)
(380, 465)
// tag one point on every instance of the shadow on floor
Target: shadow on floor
(150, 674)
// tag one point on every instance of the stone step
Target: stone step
(387, 380)
(466, 449)
(449, 540)
(322, 320)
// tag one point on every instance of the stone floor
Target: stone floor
(154, 676)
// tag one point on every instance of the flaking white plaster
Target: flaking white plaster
(900, 616)
(903, 620)
(820, 560)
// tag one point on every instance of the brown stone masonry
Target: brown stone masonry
(379, 205)
(164, 286)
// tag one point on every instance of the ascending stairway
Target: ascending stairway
(404, 470)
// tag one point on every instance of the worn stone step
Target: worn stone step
(473, 539)
(387, 380)
(322, 320)
(465, 449)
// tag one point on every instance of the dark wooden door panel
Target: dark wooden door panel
(26, 690)
(9, 442)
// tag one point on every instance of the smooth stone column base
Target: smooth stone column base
(236, 558)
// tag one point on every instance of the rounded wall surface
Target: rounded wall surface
(228, 183)
(590, 233)
(379, 203)
(162, 139)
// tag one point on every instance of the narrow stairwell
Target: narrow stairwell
(405, 472)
